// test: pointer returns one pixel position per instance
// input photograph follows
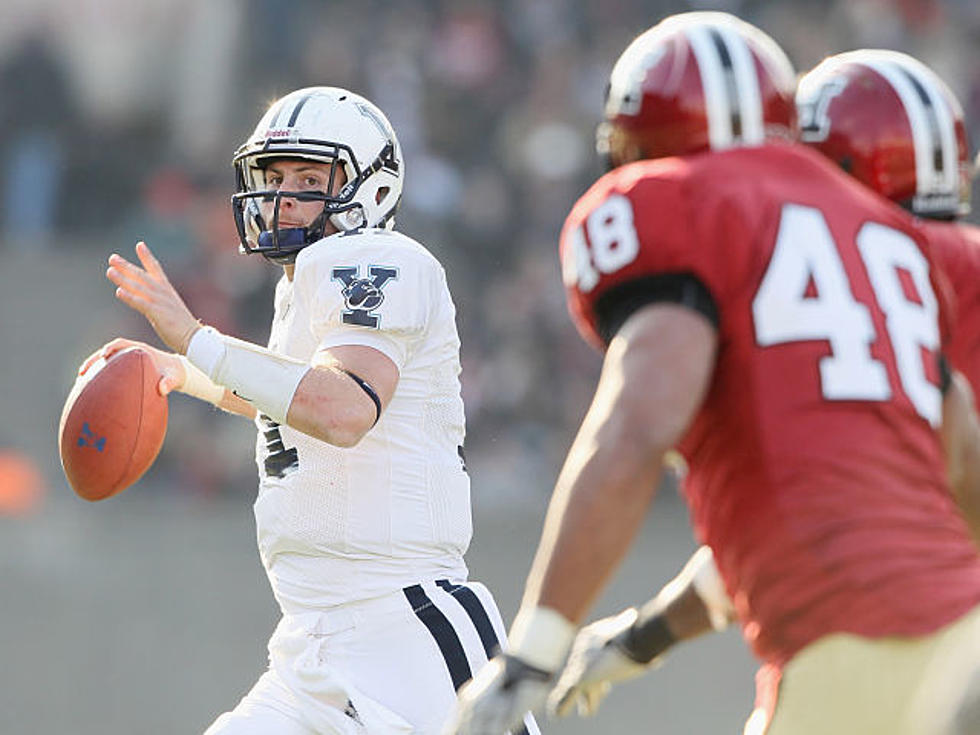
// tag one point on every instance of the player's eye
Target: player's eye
(313, 182)
(273, 181)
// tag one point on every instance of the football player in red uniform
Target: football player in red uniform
(891, 122)
(777, 321)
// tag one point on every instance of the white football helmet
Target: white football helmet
(328, 125)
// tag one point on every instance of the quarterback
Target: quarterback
(779, 323)
(363, 508)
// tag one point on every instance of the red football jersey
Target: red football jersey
(955, 248)
(816, 473)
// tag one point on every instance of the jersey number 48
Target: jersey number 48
(784, 311)
(785, 308)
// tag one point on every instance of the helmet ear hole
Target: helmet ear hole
(382, 193)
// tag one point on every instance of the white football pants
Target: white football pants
(385, 666)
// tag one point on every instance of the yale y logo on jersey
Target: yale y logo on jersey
(363, 295)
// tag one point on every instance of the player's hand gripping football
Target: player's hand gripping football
(496, 699)
(149, 291)
(171, 369)
(598, 660)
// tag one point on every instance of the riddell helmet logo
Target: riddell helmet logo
(280, 133)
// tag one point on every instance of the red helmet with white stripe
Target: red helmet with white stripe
(894, 124)
(694, 82)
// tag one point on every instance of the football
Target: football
(112, 425)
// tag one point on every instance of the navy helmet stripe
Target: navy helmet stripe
(443, 633)
(275, 119)
(296, 110)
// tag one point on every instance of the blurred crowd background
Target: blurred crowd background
(118, 121)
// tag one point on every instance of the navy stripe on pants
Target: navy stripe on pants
(446, 638)
(442, 630)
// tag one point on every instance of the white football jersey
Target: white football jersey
(335, 524)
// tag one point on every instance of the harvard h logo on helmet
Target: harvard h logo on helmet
(696, 82)
(890, 121)
(328, 125)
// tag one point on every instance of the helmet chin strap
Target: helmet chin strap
(283, 245)
(287, 237)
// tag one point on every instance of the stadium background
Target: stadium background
(149, 613)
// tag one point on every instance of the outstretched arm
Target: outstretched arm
(623, 646)
(336, 399)
(654, 378)
(176, 374)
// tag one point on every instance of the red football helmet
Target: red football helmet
(693, 82)
(894, 124)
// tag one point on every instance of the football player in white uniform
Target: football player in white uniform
(363, 509)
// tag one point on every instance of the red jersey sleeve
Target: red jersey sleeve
(635, 224)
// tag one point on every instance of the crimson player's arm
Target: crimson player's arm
(961, 436)
(654, 377)
(691, 604)
(621, 647)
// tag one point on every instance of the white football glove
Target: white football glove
(497, 698)
(596, 662)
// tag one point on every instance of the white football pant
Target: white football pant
(385, 666)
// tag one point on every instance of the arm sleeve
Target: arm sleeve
(617, 304)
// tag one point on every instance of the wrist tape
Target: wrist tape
(199, 385)
(541, 637)
(710, 587)
(255, 374)
(648, 637)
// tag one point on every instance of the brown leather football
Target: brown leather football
(112, 425)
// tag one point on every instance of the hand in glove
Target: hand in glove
(497, 698)
(604, 653)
